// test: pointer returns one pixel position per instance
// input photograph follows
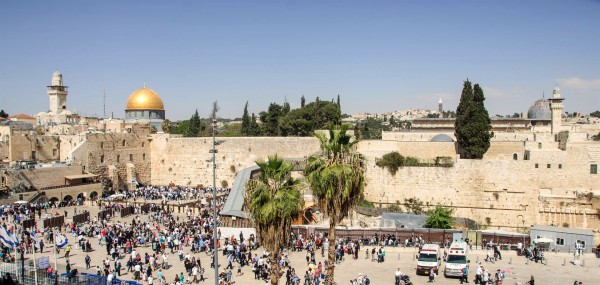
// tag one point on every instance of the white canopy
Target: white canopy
(21, 202)
(116, 196)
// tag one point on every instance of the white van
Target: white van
(457, 259)
(429, 257)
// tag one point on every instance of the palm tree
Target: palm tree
(336, 178)
(274, 201)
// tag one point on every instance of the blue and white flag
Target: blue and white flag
(33, 238)
(8, 238)
(61, 241)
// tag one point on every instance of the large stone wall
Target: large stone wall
(425, 152)
(46, 147)
(183, 161)
(499, 191)
(100, 151)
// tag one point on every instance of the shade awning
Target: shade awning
(80, 176)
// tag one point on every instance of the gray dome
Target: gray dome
(441, 138)
(540, 110)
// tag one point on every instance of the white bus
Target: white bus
(429, 258)
(457, 259)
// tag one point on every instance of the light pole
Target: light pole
(214, 161)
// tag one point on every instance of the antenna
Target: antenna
(104, 105)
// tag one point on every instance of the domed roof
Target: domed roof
(144, 99)
(540, 110)
(441, 138)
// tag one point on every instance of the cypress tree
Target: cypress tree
(194, 126)
(245, 121)
(472, 126)
(302, 101)
(254, 127)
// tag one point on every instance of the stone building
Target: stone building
(58, 119)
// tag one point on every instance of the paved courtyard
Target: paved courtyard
(380, 273)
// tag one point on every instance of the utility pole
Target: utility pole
(214, 161)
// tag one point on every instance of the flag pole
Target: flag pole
(34, 261)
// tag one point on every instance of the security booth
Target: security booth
(562, 239)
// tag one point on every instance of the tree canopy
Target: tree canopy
(336, 178)
(473, 124)
(440, 218)
(273, 200)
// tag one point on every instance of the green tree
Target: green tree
(273, 200)
(270, 119)
(245, 121)
(336, 178)
(302, 101)
(3, 114)
(596, 137)
(338, 102)
(440, 218)
(194, 126)
(592, 114)
(304, 121)
(414, 205)
(515, 115)
(473, 124)
(254, 127)
(371, 128)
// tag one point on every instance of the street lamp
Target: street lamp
(214, 166)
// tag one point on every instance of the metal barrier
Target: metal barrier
(29, 223)
(127, 211)
(104, 214)
(13, 271)
(81, 218)
(54, 222)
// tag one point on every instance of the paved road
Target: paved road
(379, 273)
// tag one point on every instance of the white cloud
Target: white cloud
(490, 92)
(579, 83)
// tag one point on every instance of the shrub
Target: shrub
(366, 204)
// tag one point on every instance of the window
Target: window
(537, 165)
(123, 142)
(54, 152)
(560, 241)
(560, 166)
(143, 156)
(143, 144)
(582, 243)
(118, 158)
(593, 168)
(515, 156)
(548, 165)
(539, 145)
(102, 159)
(101, 144)
(130, 157)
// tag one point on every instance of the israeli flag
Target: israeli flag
(7, 238)
(33, 238)
(61, 241)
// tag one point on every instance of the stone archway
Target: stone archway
(80, 196)
(68, 198)
(53, 200)
(94, 195)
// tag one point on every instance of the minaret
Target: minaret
(440, 109)
(57, 93)
(556, 106)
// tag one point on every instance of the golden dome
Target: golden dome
(144, 99)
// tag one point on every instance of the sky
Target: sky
(379, 56)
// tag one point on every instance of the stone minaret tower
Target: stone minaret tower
(440, 109)
(556, 106)
(57, 93)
